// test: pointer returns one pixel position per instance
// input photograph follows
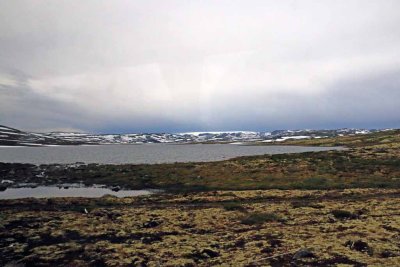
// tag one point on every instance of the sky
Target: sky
(174, 66)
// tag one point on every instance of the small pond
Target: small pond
(67, 191)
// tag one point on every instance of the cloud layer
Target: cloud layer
(120, 66)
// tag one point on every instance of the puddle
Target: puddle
(68, 191)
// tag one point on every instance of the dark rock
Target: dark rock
(151, 224)
(151, 239)
(204, 254)
(360, 246)
(331, 220)
(240, 243)
(115, 188)
(388, 254)
(361, 212)
(275, 243)
(267, 250)
(210, 253)
(344, 215)
(303, 253)
(72, 235)
(187, 226)
(216, 245)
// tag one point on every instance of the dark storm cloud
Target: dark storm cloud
(370, 101)
(111, 66)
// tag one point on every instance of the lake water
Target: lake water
(55, 191)
(146, 153)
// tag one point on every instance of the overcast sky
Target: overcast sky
(173, 66)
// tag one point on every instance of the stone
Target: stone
(303, 253)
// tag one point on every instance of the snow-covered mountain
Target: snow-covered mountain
(12, 137)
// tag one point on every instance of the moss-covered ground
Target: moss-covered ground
(357, 227)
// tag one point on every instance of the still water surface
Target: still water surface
(146, 153)
(55, 191)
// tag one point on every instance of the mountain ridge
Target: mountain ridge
(14, 137)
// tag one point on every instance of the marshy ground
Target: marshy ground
(337, 208)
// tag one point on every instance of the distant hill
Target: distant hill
(13, 137)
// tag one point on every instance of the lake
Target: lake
(145, 153)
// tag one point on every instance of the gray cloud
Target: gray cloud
(199, 65)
